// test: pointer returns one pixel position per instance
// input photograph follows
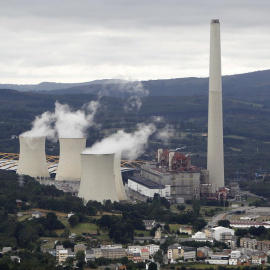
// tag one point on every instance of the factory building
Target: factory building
(174, 169)
(32, 159)
(147, 187)
(69, 167)
(101, 178)
(215, 151)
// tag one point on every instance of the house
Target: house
(149, 224)
(6, 249)
(137, 257)
(235, 257)
(145, 254)
(70, 214)
(152, 248)
(79, 247)
(186, 229)
(36, 214)
(89, 255)
(203, 252)
(258, 259)
(15, 258)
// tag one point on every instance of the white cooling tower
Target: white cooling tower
(101, 178)
(69, 167)
(32, 159)
(118, 178)
(215, 153)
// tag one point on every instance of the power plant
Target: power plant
(215, 152)
(32, 159)
(171, 174)
(101, 178)
(69, 166)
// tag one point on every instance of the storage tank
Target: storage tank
(69, 167)
(32, 159)
(100, 178)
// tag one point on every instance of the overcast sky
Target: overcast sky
(84, 40)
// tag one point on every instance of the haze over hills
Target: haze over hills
(250, 87)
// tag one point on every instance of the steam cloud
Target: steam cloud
(64, 122)
(42, 126)
(73, 124)
(131, 145)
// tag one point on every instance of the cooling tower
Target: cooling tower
(101, 178)
(215, 154)
(32, 159)
(69, 167)
(118, 178)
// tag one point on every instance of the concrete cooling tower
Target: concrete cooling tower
(101, 178)
(32, 159)
(69, 167)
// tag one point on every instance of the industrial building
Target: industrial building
(147, 187)
(101, 178)
(69, 166)
(215, 149)
(174, 170)
(32, 159)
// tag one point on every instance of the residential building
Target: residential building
(186, 229)
(249, 243)
(137, 257)
(145, 254)
(263, 245)
(79, 247)
(115, 253)
(149, 224)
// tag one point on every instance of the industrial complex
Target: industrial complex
(171, 174)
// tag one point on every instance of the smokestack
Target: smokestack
(171, 155)
(215, 152)
(101, 179)
(32, 159)
(69, 167)
(160, 151)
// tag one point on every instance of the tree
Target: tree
(158, 256)
(224, 223)
(152, 266)
(73, 220)
(80, 255)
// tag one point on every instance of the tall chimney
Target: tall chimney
(215, 152)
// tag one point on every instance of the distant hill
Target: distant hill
(250, 87)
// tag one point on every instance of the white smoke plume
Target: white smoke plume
(64, 122)
(131, 145)
(74, 124)
(42, 126)
(165, 134)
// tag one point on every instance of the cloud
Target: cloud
(74, 42)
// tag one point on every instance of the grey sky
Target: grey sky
(83, 40)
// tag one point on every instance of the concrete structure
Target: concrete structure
(217, 231)
(215, 152)
(32, 159)
(184, 184)
(101, 178)
(147, 187)
(69, 166)
(177, 251)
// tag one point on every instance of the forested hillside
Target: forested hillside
(246, 118)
